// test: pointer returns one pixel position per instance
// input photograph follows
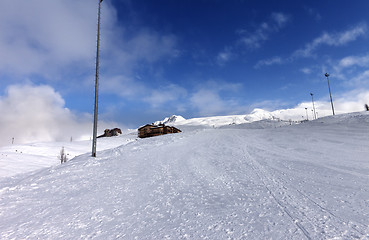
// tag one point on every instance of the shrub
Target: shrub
(62, 156)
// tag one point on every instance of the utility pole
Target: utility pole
(312, 99)
(96, 85)
(330, 95)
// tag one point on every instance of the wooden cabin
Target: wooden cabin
(150, 130)
(111, 132)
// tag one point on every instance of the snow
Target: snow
(170, 120)
(219, 121)
(262, 180)
(16, 159)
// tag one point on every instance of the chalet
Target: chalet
(111, 132)
(151, 130)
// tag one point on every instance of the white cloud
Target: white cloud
(262, 33)
(208, 99)
(359, 81)
(329, 39)
(208, 102)
(254, 39)
(224, 56)
(155, 95)
(165, 94)
(55, 38)
(44, 36)
(352, 101)
(151, 46)
(352, 71)
(314, 13)
(280, 18)
(306, 70)
(332, 39)
(123, 86)
(354, 60)
(37, 113)
(268, 62)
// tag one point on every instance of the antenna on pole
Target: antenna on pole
(96, 85)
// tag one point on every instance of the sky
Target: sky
(194, 58)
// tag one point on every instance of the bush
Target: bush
(62, 156)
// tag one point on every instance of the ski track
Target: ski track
(161, 190)
(314, 221)
(311, 217)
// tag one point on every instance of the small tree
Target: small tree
(62, 156)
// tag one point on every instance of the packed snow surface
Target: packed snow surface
(305, 181)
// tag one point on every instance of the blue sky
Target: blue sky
(190, 58)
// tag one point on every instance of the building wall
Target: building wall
(151, 131)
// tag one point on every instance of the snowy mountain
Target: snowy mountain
(259, 114)
(170, 120)
(305, 181)
(218, 121)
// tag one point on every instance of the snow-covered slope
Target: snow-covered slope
(17, 159)
(305, 181)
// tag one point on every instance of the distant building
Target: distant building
(151, 130)
(111, 132)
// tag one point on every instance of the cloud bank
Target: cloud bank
(37, 113)
(349, 102)
(44, 37)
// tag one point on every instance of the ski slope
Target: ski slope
(17, 159)
(305, 181)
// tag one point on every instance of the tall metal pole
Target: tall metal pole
(312, 99)
(307, 117)
(330, 95)
(96, 85)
